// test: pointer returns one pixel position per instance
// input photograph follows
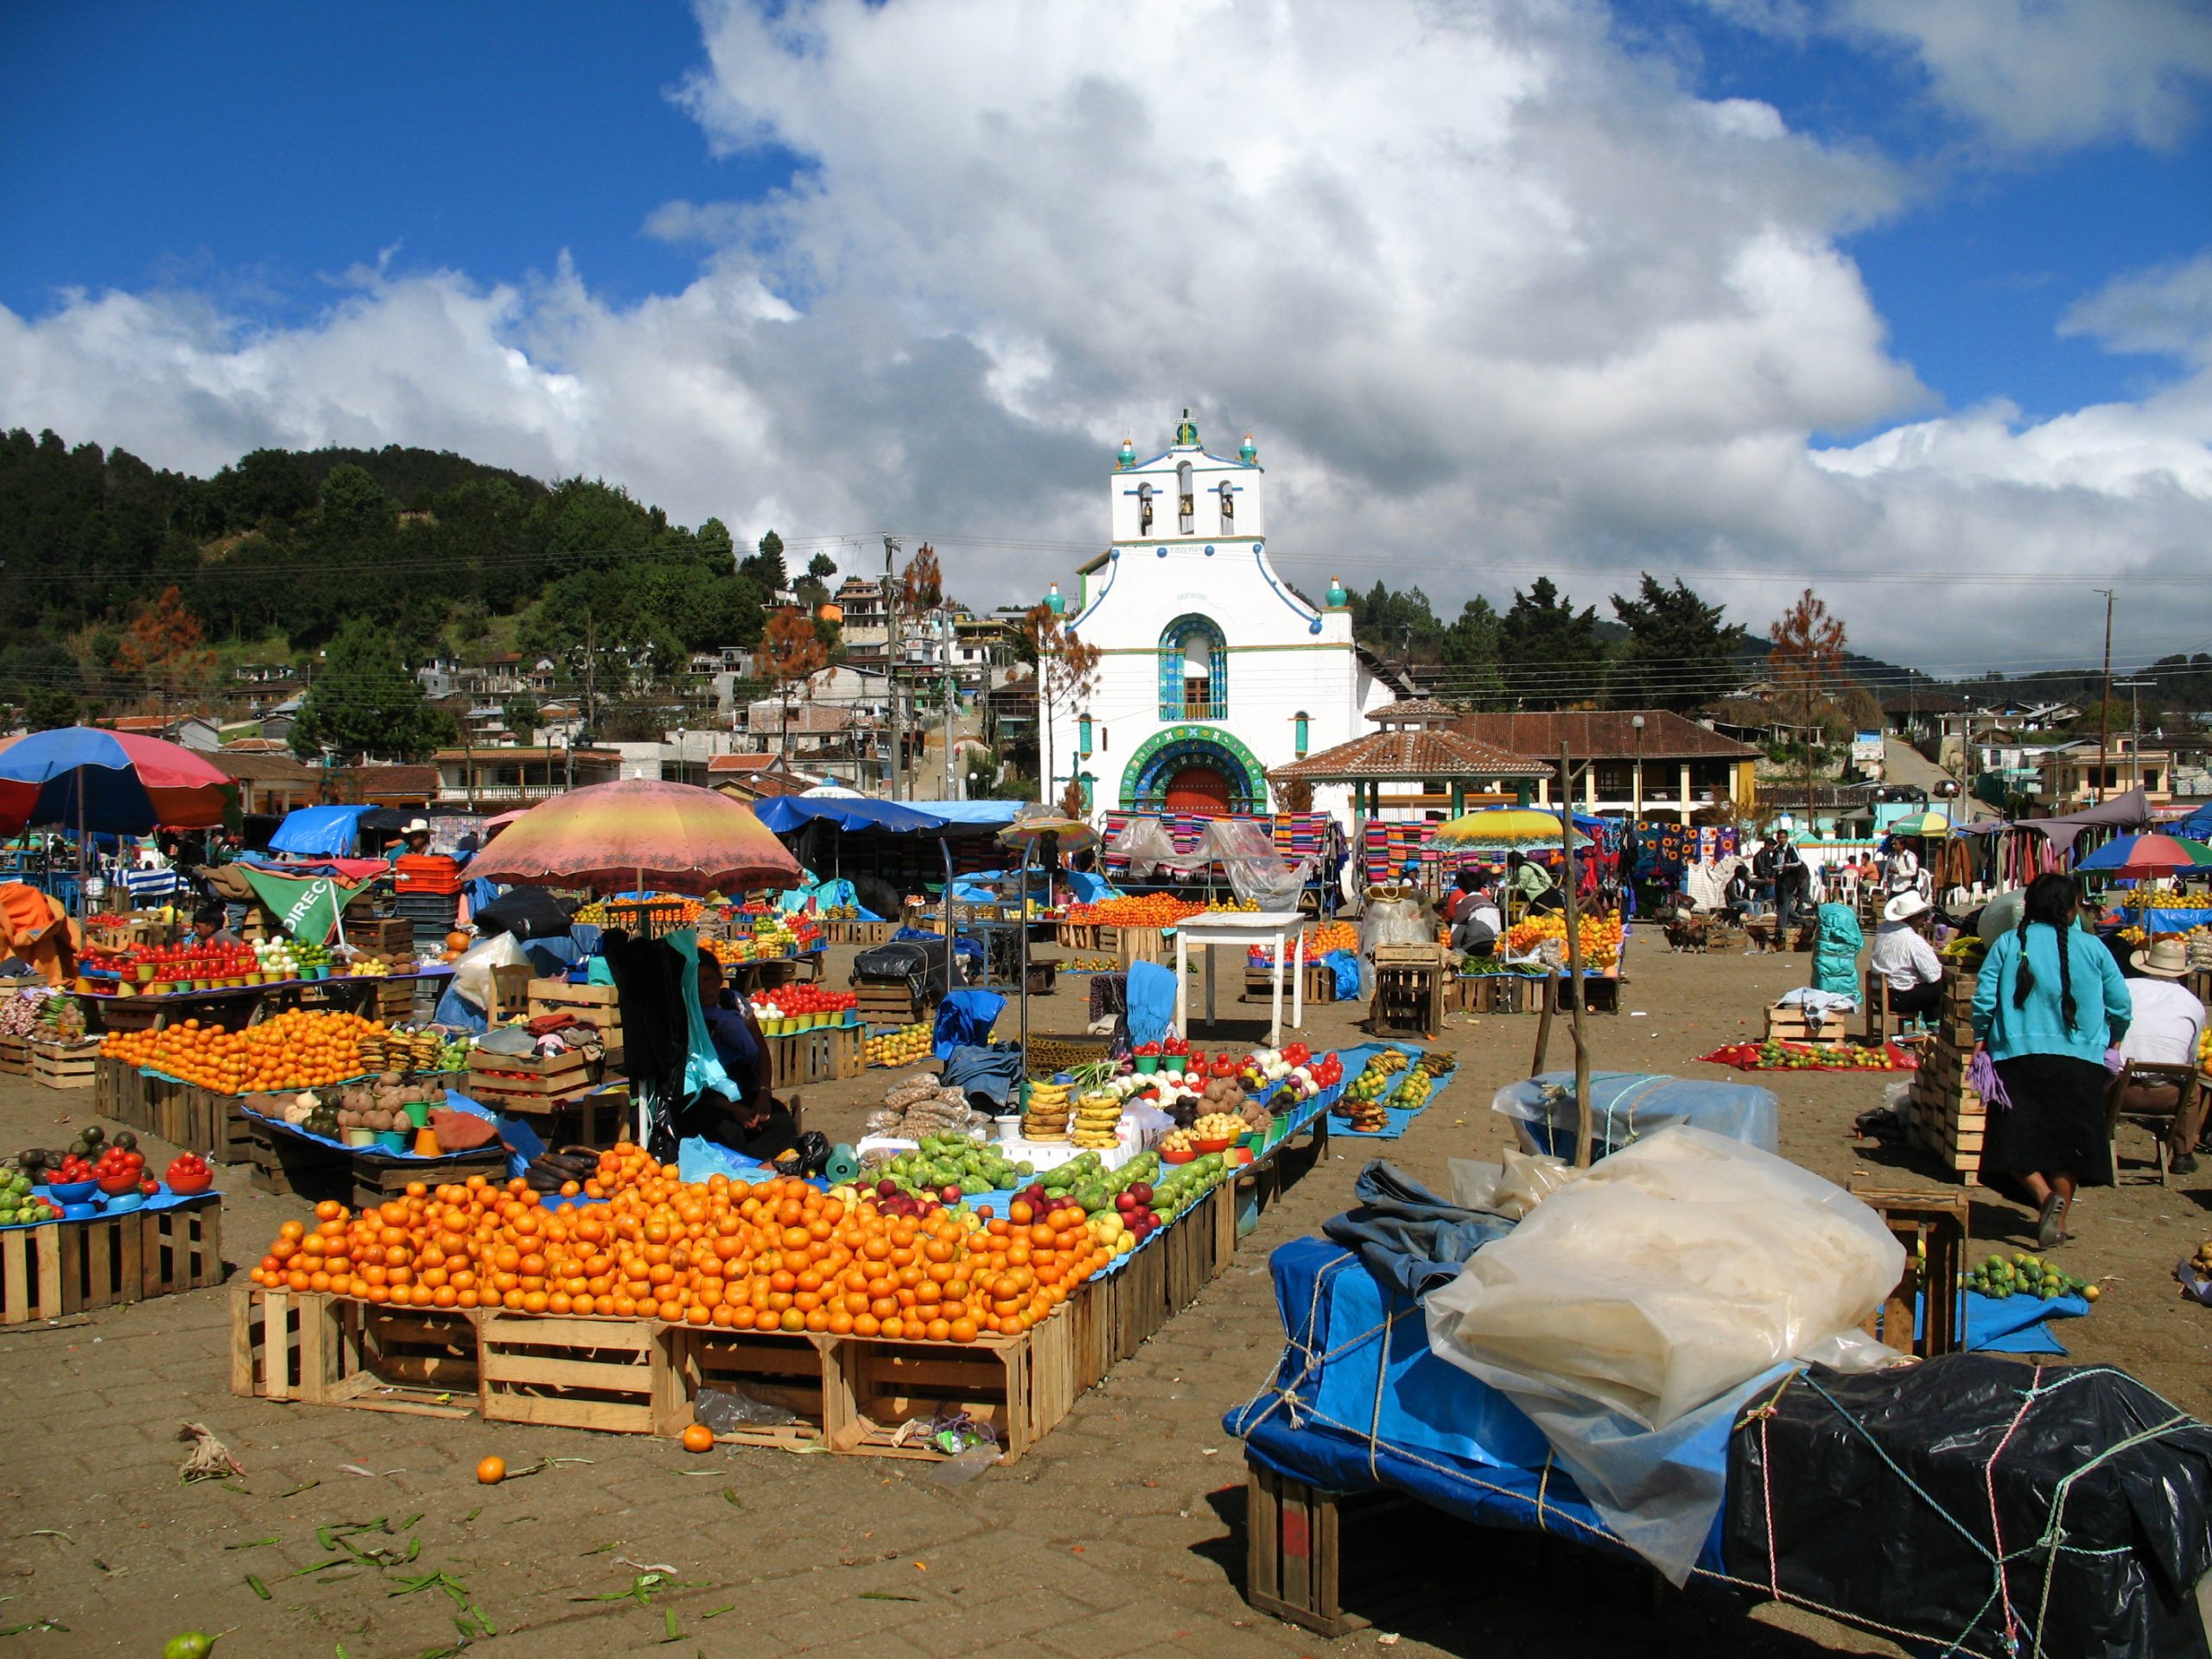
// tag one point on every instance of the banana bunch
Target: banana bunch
(1046, 1116)
(1096, 1119)
(1374, 1080)
(1437, 1061)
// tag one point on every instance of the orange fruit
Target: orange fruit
(490, 1471)
(698, 1438)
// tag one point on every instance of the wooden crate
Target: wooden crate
(1944, 1117)
(330, 1350)
(1135, 945)
(63, 1065)
(15, 1057)
(74, 1267)
(1320, 984)
(823, 1055)
(1789, 1024)
(289, 1166)
(528, 1083)
(597, 1006)
(1932, 1228)
(596, 1121)
(1022, 1386)
(200, 1119)
(781, 1371)
(616, 1375)
(1408, 1000)
(384, 937)
(1293, 1549)
(1076, 936)
(119, 1092)
(887, 1002)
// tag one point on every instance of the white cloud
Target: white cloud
(2166, 309)
(1494, 296)
(2029, 74)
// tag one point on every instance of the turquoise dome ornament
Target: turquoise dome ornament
(1055, 602)
(1247, 452)
(1338, 598)
(1128, 455)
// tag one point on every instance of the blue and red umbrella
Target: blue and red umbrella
(120, 783)
(2149, 855)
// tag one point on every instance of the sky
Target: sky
(1910, 303)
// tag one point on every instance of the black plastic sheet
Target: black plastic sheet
(1893, 1496)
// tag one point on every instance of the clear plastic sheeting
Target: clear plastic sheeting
(1627, 1106)
(1245, 849)
(1393, 916)
(472, 970)
(1512, 1188)
(1633, 1311)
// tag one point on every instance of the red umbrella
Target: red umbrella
(678, 837)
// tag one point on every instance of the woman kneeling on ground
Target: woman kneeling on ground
(2048, 1004)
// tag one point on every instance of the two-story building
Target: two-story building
(516, 777)
(1652, 762)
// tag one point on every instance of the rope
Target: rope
(1996, 1527)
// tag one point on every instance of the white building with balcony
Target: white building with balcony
(1213, 672)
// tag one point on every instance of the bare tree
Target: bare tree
(795, 654)
(1805, 658)
(1067, 670)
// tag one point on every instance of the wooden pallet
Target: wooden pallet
(823, 1055)
(73, 1267)
(530, 1082)
(63, 1065)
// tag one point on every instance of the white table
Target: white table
(1283, 931)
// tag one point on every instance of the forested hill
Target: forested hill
(434, 550)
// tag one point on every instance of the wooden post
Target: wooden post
(1544, 1024)
(1583, 1117)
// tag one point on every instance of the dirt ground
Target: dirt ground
(1121, 1535)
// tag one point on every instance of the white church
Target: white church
(1213, 673)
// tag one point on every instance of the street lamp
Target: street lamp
(1636, 815)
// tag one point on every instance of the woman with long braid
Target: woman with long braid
(2049, 1003)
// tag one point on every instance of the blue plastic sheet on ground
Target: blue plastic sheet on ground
(2018, 1325)
(1359, 1402)
(1400, 1117)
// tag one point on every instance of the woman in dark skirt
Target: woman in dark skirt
(2048, 1004)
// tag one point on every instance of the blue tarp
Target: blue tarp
(330, 831)
(970, 815)
(784, 813)
(1385, 1412)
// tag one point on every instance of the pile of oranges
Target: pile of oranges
(299, 1049)
(776, 1255)
(1137, 909)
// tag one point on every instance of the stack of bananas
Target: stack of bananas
(402, 1052)
(1046, 1116)
(1097, 1118)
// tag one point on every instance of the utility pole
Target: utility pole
(945, 623)
(2104, 698)
(2134, 689)
(898, 766)
(591, 678)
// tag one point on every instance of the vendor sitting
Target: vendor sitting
(208, 926)
(414, 839)
(757, 1124)
(1473, 916)
(1903, 956)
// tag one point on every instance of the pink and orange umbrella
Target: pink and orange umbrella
(675, 838)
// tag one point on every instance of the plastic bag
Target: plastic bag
(1145, 843)
(1669, 1273)
(1394, 921)
(1629, 1105)
(1511, 1189)
(1637, 1310)
(471, 974)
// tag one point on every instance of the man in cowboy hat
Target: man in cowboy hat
(414, 839)
(1903, 956)
(2167, 1026)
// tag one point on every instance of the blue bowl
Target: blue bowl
(67, 1192)
(80, 1212)
(122, 1203)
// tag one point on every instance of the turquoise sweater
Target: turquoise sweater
(2102, 1007)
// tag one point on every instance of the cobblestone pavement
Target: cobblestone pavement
(1120, 1535)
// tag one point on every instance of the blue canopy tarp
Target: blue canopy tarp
(325, 831)
(783, 814)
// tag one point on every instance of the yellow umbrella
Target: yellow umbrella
(1504, 828)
